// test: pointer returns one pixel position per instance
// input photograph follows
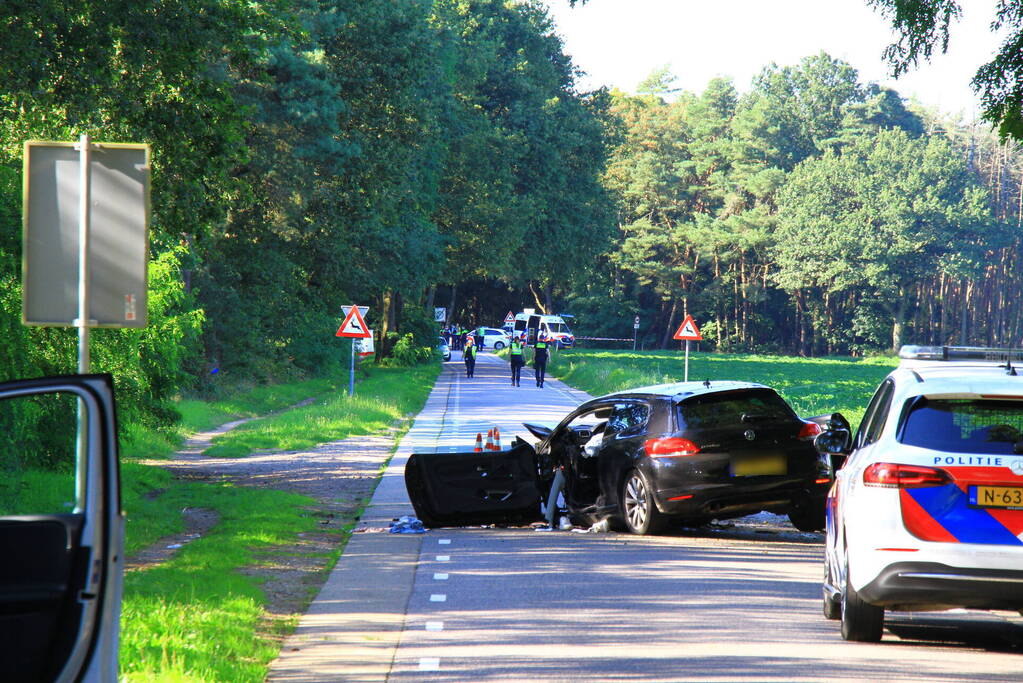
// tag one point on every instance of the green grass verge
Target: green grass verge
(388, 394)
(814, 386)
(197, 617)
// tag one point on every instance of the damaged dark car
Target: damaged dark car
(684, 453)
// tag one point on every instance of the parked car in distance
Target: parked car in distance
(927, 510)
(687, 452)
(445, 350)
(494, 338)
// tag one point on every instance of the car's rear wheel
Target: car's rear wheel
(861, 621)
(638, 508)
(807, 514)
(498, 346)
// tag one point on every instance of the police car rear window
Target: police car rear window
(963, 425)
(727, 408)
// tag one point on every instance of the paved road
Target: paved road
(732, 603)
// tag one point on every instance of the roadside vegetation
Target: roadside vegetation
(814, 386)
(200, 616)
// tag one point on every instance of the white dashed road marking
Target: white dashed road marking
(440, 576)
(438, 597)
(443, 558)
(429, 664)
(435, 626)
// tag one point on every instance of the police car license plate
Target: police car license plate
(760, 466)
(1008, 497)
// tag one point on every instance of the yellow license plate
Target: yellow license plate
(1009, 497)
(758, 467)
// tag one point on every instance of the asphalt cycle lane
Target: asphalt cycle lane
(473, 604)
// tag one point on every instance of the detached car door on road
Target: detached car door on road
(61, 531)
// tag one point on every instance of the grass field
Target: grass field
(200, 616)
(814, 386)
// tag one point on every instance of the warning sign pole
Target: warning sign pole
(687, 332)
(353, 327)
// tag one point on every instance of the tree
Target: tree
(923, 25)
(877, 218)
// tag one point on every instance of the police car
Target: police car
(926, 512)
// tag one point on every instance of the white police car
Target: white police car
(927, 511)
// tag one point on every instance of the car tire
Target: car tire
(638, 509)
(807, 515)
(832, 606)
(498, 346)
(861, 621)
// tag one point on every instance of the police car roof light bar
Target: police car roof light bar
(962, 353)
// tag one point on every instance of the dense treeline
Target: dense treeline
(813, 214)
(406, 155)
(306, 154)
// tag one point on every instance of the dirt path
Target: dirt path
(340, 476)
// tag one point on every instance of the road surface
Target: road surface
(732, 602)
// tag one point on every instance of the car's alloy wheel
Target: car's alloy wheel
(638, 506)
(861, 621)
(498, 346)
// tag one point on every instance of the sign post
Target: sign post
(85, 203)
(687, 331)
(353, 327)
(635, 331)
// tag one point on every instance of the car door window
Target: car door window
(875, 415)
(628, 418)
(60, 528)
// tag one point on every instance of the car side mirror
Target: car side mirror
(836, 439)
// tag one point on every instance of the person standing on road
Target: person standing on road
(516, 359)
(469, 356)
(541, 352)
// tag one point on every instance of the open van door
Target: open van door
(460, 489)
(61, 531)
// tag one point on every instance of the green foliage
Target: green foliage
(385, 396)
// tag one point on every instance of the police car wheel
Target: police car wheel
(832, 608)
(832, 603)
(498, 346)
(861, 621)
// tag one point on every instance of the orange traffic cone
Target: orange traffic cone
(479, 443)
(497, 438)
(490, 440)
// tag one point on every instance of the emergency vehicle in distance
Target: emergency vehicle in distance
(554, 326)
(926, 512)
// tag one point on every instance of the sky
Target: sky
(620, 42)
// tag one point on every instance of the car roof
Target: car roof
(933, 378)
(680, 390)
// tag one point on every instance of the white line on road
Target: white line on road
(429, 664)
(435, 626)
(438, 597)
(438, 576)
(444, 541)
(443, 558)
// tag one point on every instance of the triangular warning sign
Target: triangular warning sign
(353, 326)
(510, 318)
(688, 330)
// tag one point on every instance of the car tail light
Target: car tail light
(670, 447)
(896, 476)
(809, 430)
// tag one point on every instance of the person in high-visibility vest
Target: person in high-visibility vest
(469, 356)
(516, 359)
(541, 352)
